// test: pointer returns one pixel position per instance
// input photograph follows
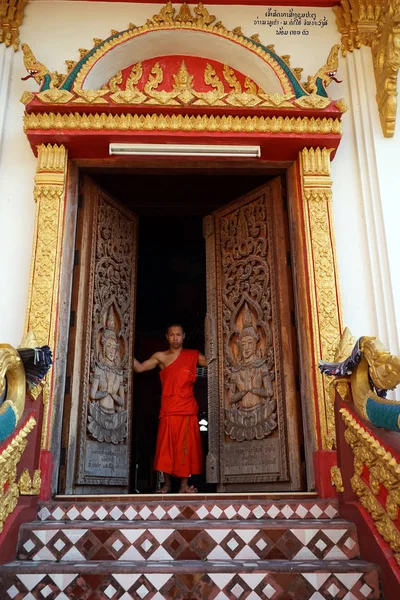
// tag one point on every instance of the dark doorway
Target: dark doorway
(171, 285)
(171, 288)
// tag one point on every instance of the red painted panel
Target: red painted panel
(170, 65)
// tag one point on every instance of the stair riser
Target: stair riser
(183, 510)
(285, 583)
(186, 541)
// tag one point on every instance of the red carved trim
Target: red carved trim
(46, 472)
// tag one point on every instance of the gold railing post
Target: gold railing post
(43, 301)
(316, 190)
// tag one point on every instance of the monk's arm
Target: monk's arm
(202, 361)
(146, 365)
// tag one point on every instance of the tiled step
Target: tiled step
(191, 580)
(188, 540)
(174, 508)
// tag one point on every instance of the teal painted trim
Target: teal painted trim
(46, 83)
(321, 91)
(68, 83)
(8, 422)
(383, 415)
(298, 90)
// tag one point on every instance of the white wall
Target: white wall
(55, 31)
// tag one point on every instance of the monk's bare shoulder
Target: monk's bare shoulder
(161, 357)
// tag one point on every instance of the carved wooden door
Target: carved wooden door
(254, 420)
(99, 439)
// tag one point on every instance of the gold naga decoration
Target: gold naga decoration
(12, 382)
(383, 471)
(376, 24)
(63, 89)
(11, 16)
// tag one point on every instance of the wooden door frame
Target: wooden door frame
(317, 298)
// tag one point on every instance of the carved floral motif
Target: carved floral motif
(112, 324)
(250, 405)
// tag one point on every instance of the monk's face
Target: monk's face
(175, 337)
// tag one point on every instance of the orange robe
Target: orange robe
(179, 449)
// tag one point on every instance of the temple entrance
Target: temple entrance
(185, 236)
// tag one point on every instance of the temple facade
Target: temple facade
(232, 167)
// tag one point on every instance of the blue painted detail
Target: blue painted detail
(383, 415)
(8, 423)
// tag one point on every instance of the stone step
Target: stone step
(188, 540)
(174, 508)
(191, 580)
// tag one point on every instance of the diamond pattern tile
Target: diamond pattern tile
(288, 581)
(145, 540)
(195, 540)
(307, 509)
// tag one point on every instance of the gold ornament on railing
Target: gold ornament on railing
(384, 472)
(10, 456)
(27, 485)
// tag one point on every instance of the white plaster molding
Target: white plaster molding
(363, 108)
(6, 62)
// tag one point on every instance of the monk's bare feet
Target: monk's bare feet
(187, 489)
(164, 490)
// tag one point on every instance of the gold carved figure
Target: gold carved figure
(108, 417)
(252, 410)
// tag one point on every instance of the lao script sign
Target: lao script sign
(291, 21)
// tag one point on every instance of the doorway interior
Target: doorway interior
(171, 283)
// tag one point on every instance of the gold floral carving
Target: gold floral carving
(27, 485)
(183, 92)
(9, 459)
(11, 16)
(383, 471)
(342, 388)
(324, 285)
(376, 24)
(49, 194)
(336, 478)
(154, 122)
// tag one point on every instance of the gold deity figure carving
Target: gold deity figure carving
(183, 80)
(108, 419)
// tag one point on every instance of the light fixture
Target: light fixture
(185, 150)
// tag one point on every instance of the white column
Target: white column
(376, 181)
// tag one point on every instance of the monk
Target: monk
(178, 449)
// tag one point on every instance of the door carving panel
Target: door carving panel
(251, 320)
(102, 372)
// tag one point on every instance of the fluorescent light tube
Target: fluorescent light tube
(185, 150)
